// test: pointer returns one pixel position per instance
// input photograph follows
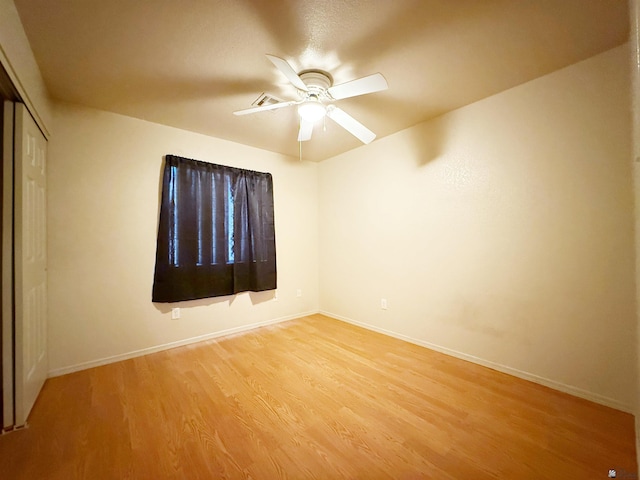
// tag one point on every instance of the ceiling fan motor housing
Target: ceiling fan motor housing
(317, 81)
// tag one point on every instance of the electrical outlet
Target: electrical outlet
(275, 295)
(383, 304)
(299, 293)
(175, 313)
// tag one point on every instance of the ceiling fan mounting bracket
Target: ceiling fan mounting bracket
(317, 81)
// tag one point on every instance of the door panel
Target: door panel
(7, 266)
(30, 263)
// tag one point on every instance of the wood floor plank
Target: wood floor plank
(314, 398)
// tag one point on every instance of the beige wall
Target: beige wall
(18, 60)
(501, 232)
(104, 186)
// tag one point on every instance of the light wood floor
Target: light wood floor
(311, 398)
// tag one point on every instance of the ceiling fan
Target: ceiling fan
(317, 94)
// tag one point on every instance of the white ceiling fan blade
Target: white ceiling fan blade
(360, 86)
(264, 108)
(288, 72)
(306, 129)
(350, 124)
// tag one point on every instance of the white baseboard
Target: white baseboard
(562, 387)
(158, 348)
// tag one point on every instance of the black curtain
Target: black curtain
(216, 232)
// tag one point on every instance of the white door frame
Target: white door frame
(8, 418)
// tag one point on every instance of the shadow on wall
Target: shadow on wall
(255, 297)
(428, 140)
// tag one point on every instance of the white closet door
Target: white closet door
(30, 263)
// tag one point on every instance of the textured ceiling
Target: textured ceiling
(191, 63)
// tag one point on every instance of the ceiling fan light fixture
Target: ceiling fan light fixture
(312, 110)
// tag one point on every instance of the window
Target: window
(216, 232)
